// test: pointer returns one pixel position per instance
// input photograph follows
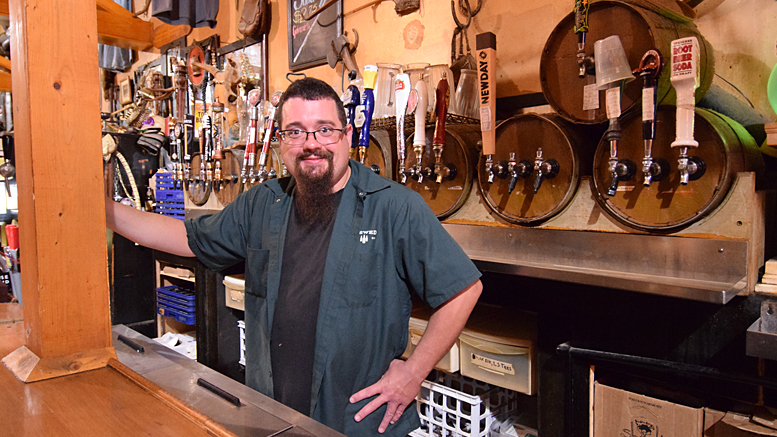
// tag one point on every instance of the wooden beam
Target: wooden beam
(60, 180)
(5, 81)
(124, 31)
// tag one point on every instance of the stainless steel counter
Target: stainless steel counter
(258, 415)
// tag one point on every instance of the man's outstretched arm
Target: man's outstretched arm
(156, 231)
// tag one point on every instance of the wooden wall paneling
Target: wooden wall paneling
(60, 179)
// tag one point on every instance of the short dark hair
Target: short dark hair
(310, 89)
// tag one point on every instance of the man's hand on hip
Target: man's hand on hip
(397, 388)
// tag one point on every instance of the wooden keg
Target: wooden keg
(641, 26)
(197, 188)
(565, 149)
(379, 153)
(459, 155)
(725, 148)
(229, 186)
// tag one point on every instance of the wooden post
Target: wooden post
(56, 108)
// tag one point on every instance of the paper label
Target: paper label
(684, 57)
(358, 121)
(613, 102)
(648, 104)
(485, 118)
(590, 97)
(492, 364)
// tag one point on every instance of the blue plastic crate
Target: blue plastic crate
(185, 318)
(186, 308)
(177, 292)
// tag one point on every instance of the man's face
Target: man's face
(310, 158)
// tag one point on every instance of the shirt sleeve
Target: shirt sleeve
(220, 240)
(432, 262)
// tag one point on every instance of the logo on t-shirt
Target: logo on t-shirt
(365, 236)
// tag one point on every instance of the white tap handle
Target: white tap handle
(402, 93)
(419, 138)
(685, 80)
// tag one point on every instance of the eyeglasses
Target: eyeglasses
(324, 136)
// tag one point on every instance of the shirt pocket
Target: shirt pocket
(257, 263)
(362, 286)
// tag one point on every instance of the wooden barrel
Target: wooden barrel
(568, 149)
(641, 26)
(459, 153)
(379, 154)
(229, 186)
(725, 148)
(197, 188)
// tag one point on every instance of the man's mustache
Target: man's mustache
(317, 153)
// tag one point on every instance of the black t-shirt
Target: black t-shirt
(293, 338)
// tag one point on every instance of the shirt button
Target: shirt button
(277, 200)
(361, 193)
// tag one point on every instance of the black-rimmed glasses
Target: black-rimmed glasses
(324, 136)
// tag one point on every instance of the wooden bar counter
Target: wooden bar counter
(150, 393)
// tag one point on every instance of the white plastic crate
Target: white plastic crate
(241, 325)
(457, 406)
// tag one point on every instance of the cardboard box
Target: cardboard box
(418, 320)
(234, 287)
(619, 412)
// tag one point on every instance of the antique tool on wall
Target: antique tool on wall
(200, 183)
(581, 30)
(255, 129)
(486, 53)
(447, 171)
(402, 90)
(685, 80)
(419, 138)
(612, 69)
(262, 174)
(217, 111)
(342, 50)
(368, 107)
(649, 68)
(351, 100)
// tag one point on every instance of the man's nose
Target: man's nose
(310, 142)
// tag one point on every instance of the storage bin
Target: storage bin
(418, 321)
(460, 407)
(497, 346)
(234, 287)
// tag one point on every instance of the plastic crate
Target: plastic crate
(185, 318)
(176, 302)
(241, 325)
(169, 200)
(459, 406)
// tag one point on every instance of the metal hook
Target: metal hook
(295, 74)
(472, 12)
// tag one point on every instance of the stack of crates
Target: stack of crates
(169, 200)
(176, 302)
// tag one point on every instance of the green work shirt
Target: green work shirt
(385, 242)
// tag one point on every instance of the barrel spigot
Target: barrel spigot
(517, 170)
(691, 168)
(623, 170)
(417, 172)
(545, 169)
(585, 62)
(362, 153)
(647, 163)
(490, 168)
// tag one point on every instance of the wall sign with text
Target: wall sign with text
(311, 40)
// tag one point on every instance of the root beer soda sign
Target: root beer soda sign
(486, 60)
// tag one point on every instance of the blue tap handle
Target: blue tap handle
(350, 109)
(368, 101)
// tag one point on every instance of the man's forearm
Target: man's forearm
(156, 231)
(443, 329)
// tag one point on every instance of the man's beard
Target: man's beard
(314, 200)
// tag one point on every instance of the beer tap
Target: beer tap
(255, 131)
(521, 169)
(402, 93)
(685, 80)
(187, 159)
(205, 171)
(545, 169)
(351, 101)
(649, 67)
(217, 110)
(368, 107)
(585, 63)
(486, 47)
(419, 137)
(263, 175)
(181, 84)
(447, 171)
(173, 132)
(612, 70)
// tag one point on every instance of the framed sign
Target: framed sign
(311, 40)
(125, 91)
